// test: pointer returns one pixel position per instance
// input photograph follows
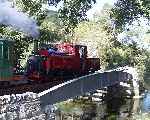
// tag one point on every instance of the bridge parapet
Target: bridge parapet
(82, 85)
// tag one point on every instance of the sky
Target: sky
(98, 6)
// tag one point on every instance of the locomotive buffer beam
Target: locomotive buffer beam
(80, 86)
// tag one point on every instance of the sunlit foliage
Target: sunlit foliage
(73, 12)
(126, 11)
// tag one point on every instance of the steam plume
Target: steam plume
(18, 20)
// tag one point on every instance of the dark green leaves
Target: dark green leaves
(126, 11)
(73, 12)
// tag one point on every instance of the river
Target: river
(112, 109)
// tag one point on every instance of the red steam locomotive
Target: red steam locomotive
(60, 60)
(53, 61)
(50, 66)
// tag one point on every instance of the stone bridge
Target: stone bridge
(32, 106)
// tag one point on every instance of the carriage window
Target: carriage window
(1, 50)
(1, 54)
(6, 53)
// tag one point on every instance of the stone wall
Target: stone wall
(21, 107)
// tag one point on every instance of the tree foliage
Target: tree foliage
(47, 27)
(73, 12)
(52, 28)
(126, 11)
(98, 36)
(22, 41)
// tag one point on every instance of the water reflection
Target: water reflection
(124, 109)
(113, 109)
(146, 103)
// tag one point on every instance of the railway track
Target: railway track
(32, 87)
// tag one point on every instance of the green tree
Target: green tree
(126, 11)
(73, 12)
(97, 35)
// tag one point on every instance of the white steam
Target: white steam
(18, 20)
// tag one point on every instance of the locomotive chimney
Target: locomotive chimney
(36, 46)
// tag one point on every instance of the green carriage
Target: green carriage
(6, 59)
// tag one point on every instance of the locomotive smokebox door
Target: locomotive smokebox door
(6, 59)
